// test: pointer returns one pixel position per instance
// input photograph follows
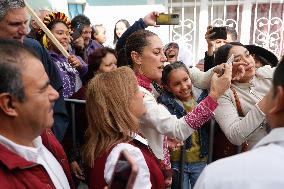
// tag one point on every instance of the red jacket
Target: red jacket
(18, 173)
(95, 175)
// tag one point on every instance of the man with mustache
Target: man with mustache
(30, 157)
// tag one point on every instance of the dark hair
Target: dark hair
(6, 5)
(221, 56)
(262, 60)
(80, 21)
(169, 68)
(278, 78)
(95, 60)
(136, 42)
(115, 37)
(233, 33)
(13, 57)
(52, 24)
(121, 58)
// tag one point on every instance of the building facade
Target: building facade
(258, 22)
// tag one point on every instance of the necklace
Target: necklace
(143, 81)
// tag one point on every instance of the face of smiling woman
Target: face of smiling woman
(61, 33)
(172, 52)
(241, 54)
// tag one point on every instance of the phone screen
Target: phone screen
(220, 33)
(125, 172)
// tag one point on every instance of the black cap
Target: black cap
(263, 53)
(77, 33)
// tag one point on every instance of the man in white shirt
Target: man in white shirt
(28, 160)
(263, 166)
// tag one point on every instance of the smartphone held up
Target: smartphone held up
(229, 61)
(167, 19)
(219, 33)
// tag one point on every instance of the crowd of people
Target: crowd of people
(141, 96)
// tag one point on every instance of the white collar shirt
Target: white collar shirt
(260, 168)
(41, 155)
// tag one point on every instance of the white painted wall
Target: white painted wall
(56, 5)
(109, 15)
(59, 5)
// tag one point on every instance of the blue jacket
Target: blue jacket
(175, 109)
(61, 119)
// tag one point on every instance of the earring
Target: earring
(140, 68)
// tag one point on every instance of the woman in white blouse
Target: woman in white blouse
(240, 111)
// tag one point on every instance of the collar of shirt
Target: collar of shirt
(276, 135)
(141, 139)
(28, 153)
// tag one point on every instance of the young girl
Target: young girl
(179, 100)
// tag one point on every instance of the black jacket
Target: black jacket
(60, 114)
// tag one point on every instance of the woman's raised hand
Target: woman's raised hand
(210, 42)
(220, 83)
(75, 62)
(150, 19)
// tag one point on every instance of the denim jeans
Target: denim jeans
(190, 176)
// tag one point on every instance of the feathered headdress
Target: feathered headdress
(56, 16)
(50, 20)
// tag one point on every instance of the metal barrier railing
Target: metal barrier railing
(211, 140)
(73, 103)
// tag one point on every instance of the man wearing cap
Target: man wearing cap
(85, 23)
(77, 44)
